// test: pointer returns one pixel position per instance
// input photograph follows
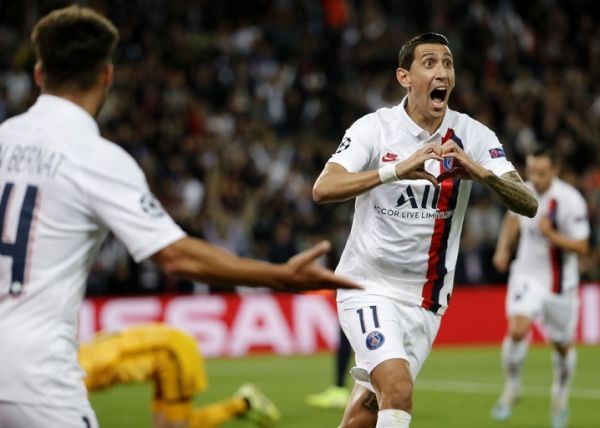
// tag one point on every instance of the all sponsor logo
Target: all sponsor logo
(416, 202)
(419, 197)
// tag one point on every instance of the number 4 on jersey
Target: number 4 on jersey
(17, 250)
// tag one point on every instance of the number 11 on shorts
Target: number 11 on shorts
(362, 318)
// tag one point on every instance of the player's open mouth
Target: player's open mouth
(438, 96)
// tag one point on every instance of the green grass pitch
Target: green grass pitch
(455, 389)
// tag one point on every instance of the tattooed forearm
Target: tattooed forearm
(513, 193)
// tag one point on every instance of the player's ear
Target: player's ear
(38, 74)
(107, 75)
(403, 77)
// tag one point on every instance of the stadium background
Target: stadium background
(233, 107)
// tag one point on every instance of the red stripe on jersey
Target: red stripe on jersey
(556, 262)
(437, 241)
(556, 256)
(449, 134)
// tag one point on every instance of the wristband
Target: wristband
(387, 173)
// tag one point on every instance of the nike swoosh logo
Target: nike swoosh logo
(388, 157)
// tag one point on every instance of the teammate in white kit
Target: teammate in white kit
(62, 188)
(543, 281)
(410, 169)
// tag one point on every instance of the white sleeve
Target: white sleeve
(354, 152)
(489, 153)
(121, 199)
(575, 223)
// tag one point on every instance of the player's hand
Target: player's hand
(413, 167)
(305, 274)
(464, 166)
(501, 261)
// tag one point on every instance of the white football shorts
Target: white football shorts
(558, 312)
(19, 415)
(380, 328)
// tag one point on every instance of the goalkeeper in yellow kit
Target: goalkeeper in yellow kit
(170, 359)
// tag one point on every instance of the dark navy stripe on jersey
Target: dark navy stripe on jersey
(556, 254)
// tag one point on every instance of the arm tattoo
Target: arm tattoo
(513, 193)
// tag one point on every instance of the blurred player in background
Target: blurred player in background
(171, 360)
(62, 188)
(543, 281)
(410, 169)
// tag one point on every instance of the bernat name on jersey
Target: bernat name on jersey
(30, 159)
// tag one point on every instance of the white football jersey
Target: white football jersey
(405, 234)
(556, 269)
(62, 187)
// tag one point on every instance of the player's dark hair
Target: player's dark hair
(407, 52)
(546, 152)
(73, 44)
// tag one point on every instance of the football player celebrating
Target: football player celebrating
(410, 169)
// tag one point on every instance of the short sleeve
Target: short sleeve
(354, 151)
(489, 153)
(120, 198)
(575, 223)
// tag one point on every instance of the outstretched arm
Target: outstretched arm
(198, 260)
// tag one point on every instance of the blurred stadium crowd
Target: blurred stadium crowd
(233, 107)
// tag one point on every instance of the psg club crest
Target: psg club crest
(447, 164)
(374, 340)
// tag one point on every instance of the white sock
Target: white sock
(393, 418)
(564, 369)
(513, 357)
